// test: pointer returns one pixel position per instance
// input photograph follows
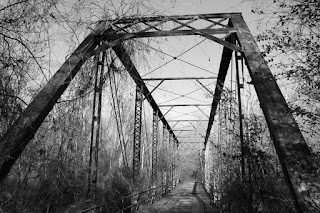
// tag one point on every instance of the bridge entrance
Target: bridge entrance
(106, 48)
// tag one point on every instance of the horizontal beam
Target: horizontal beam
(183, 130)
(210, 37)
(183, 105)
(178, 17)
(178, 33)
(185, 120)
(189, 142)
(177, 78)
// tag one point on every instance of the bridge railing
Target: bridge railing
(151, 195)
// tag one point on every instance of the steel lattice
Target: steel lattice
(137, 135)
(164, 156)
(154, 149)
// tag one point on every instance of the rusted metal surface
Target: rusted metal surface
(294, 155)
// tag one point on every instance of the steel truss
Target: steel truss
(170, 162)
(164, 178)
(155, 131)
(136, 164)
(298, 166)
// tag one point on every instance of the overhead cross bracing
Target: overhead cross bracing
(228, 30)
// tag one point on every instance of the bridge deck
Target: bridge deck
(188, 197)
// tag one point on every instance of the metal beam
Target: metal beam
(95, 126)
(166, 113)
(186, 120)
(183, 105)
(136, 164)
(210, 37)
(178, 33)
(209, 91)
(189, 142)
(156, 87)
(178, 17)
(178, 78)
(23, 129)
(294, 155)
(125, 59)
(224, 66)
(203, 112)
(242, 145)
(164, 180)
(155, 129)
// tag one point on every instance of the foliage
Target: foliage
(291, 40)
(262, 188)
(51, 174)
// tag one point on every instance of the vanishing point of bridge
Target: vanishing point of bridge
(109, 38)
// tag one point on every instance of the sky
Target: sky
(201, 60)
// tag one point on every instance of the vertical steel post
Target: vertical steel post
(298, 166)
(243, 171)
(154, 149)
(136, 164)
(174, 164)
(171, 153)
(167, 166)
(164, 156)
(95, 126)
(136, 161)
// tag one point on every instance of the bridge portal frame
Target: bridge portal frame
(294, 155)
